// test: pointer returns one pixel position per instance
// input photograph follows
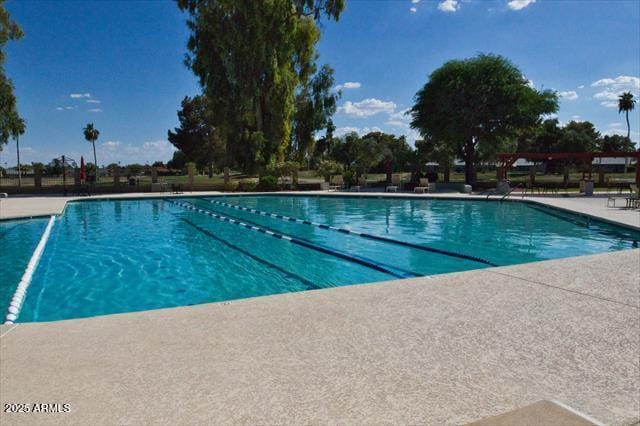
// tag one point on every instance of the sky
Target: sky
(120, 65)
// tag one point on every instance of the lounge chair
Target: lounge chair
(337, 182)
(362, 183)
(396, 182)
(422, 187)
(630, 202)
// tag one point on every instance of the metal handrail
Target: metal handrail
(510, 191)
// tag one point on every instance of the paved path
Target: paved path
(442, 350)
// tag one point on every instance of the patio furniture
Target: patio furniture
(336, 182)
(396, 182)
(176, 188)
(422, 187)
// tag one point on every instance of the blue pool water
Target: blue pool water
(108, 257)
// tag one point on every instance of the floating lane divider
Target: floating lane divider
(21, 291)
(283, 271)
(292, 240)
(399, 272)
(359, 234)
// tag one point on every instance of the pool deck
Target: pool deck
(446, 349)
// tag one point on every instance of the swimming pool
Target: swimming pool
(105, 257)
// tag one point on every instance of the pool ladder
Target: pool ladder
(505, 196)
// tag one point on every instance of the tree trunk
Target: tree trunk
(469, 163)
(18, 155)
(95, 162)
(628, 126)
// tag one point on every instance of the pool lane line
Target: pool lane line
(13, 311)
(310, 285)
(396, 271)
(300, 242)
(359, 234)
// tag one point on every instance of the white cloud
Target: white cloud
(612, 88)
(80, 95)
(341, 131)
(94, 110)
(607, 95)
(415, 1)
(413, 9)
(366, 130)
(59, 109)
(449, 5)
(70, 107)
(366, 107)
(609, 104)
(519, 4)
(348, 85)
(399, 118)
(111, 144)
(581, 86)
(576, 118)
(361, 131)
(616, 124)
(622, 82)
(93, 101)
(568, 95)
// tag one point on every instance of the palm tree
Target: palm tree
(17, 129)
(626, 103)
(91, 135)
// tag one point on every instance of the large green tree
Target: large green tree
(315, 103)
(626, 104)
(250, 56)
(196, 137)
(9, 30)
(476, 104)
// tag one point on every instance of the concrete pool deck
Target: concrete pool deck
(446, 349)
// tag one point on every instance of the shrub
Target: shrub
(326, 168)
(247, 185)
(230, 186)
(348, 176)
(268, 183)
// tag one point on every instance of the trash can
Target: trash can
(586, 187)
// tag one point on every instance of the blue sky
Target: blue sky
(119, 65)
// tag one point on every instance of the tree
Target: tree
(18, 128)
(626, 103)
(315, 103)
(197, 137)
(476, 103)
(91, 135)
(433, 150)
(9, 30)
(616, 143)
(178, 161)
(250, 57)
(578, 136)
